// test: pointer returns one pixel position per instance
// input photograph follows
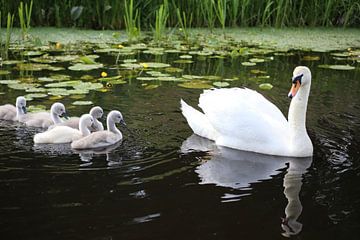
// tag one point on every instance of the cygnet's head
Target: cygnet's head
(96, 112)
(21, 103)
(116, 117)
(301, 77)
(86, 120)
(59, 109)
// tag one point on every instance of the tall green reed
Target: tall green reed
(220, 10)
(9, 27)
(162, 15)
(184, 23)
(25, 19)
(132, 21)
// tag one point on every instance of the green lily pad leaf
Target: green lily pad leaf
(22, 86)
(85, 67)
(82, 103)
(190, 77)
(173, 70)
(108, 50)
(183, 61)
(11, 62)
(212, 78)
(131, 66)
(171, 79)
(58, 91)
(151, 86)
(257, 71)
(256, 60)
(87, 60)
(86, 77)
(4, 72)
(311, 58)
(154, 51)
(36, 90)
(60, 77)
(154, 65)
(263, 77)
(36, 108)
(53, 68)
(172, 51)
(146, 78)
(36, 95)
(88, 86)
(43, 59)
(32, 53)
(106, 79)
(185, 56)
(221, 84)
(157, 74)
(130, 60)
(195, 85)
(337, 67)
(66, 58)
(265, 86)
(9, 81)
(338, 54)
(32, 66)
(63, 84)
(248, 64)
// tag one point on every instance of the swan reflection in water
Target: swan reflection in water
(238, 169)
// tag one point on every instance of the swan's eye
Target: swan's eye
(297, 78)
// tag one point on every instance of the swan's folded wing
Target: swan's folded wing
(243, 114)
(96, 140)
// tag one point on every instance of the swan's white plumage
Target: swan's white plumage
(73, 122)
(8, 112)
(243, 119)
(59, 134)
(65, 134)
(44, 119)
(103, 138)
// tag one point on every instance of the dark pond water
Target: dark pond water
(153, 186)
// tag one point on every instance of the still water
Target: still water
(162, 182)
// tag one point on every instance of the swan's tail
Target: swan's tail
(41, 138)
(198, 122)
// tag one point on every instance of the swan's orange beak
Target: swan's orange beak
(295, 87)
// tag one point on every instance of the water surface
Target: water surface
(163, 183)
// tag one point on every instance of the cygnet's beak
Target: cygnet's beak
(122, 122)
(65, 115)
(24, 109)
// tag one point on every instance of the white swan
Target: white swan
(243, 119)
(65, 134)
(10, 112)
(44, 119)
(73, 122)
(102, 138)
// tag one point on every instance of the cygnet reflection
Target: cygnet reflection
(112, 157)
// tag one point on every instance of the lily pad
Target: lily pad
(11, 62)
(131, 66)
(32, 53)
(195, 85)
(22, 86)
(185, 61)
(265, 86)
(173, 70)
(248, 64)
(9, 81)
(155, 65)
(85, 67)
(185, 57)
(311, 58)
(32, 66)
(130, 60)
(257, 71)
(337, 67)
(36, 95)
(221, 84)
(4, 72)
(66, 58)
(146, 78)
(82, 103)
(257, 60)
(151, 86)
(36, 90)
(87, 60)
(58, 91)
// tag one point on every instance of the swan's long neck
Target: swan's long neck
(112, 127)
(19, 112)
(55, 118)
(297, 113)
(84, 129)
